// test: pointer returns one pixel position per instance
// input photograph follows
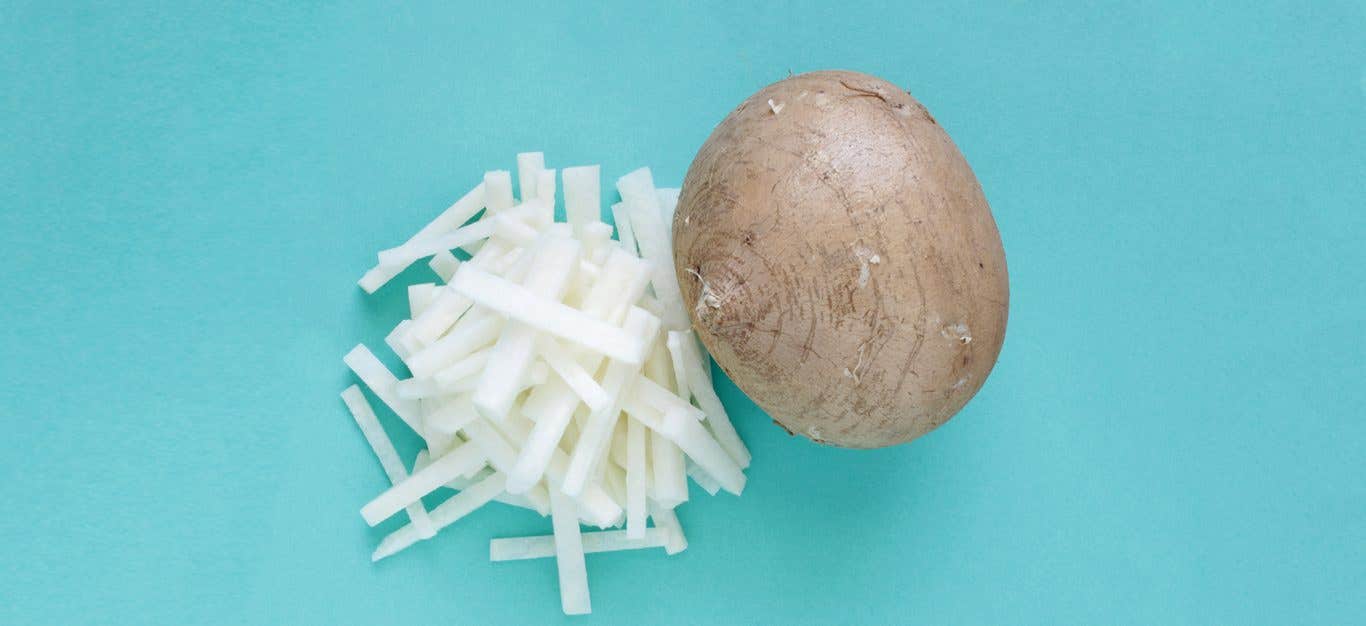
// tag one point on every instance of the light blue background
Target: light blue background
(1174, 434)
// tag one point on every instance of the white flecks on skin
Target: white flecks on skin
(865, 258)
(957, 331)
(854, 373)
(814, 433)
(777, 107)
(958, 384)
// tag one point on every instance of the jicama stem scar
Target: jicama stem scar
(454, 463)
(543, 546)
(444, 514)
(384, 450)
(455, 215)
(381, 381)
(545, 315)
(573, 573)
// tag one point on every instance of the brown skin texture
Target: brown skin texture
(855, 282)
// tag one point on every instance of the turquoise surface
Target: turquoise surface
(1174, 434)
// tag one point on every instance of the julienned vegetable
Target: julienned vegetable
(553, 371)
(840, 261)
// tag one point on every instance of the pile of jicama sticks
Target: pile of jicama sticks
(553, 370)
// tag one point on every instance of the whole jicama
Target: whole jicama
(840, 261)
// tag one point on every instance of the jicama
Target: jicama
(551, 371)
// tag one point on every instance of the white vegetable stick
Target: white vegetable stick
(479, 329)
(450, 415)
(619, 375)
(462, 483)
(670, 479)
(616, 452)
(636, 478)
(582, 195)
(381, 381)
(625, 234)
(411, 251)
(514, 230)
(444, 264)
(616, 482)
(652, 305)
(466, 368)
(595, 236)
(395, 340)
(655, 246)
(637, 188)
(668, 203)
(569, 555)
(515, 351)
(498, 190)
(702, 478)
(589, 271)
(529, 166)
(543, 546)
(666, 519)
(417, 389)
(676, 358)
(600, 255)
(419, 297)
(444, 514)
(545, 194)
(662, 400)
(438, 473)
(455, 215)
(573, 374)
(685, 431)
(439, 441)
(703, 359)
(596, 505)
(546, 315)
(501, 455)
(699, 382)
(449, 305)
(384, 450)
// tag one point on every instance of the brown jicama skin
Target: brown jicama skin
(840, 261)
